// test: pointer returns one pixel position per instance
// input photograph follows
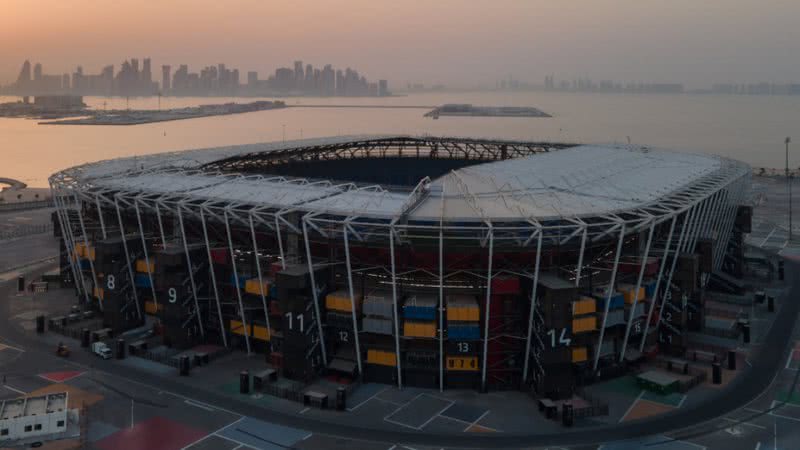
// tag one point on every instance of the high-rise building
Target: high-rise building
(165, 78)
(147, 75)
(298, 74)
(37, 72)
(24, 74)
(383, 88)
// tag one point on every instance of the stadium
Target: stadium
(416, 261)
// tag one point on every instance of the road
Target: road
(737, 394)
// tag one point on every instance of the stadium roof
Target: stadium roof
(565, 182)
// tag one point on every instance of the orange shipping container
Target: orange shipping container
(579, 354)
(586, 305)
(584, 324)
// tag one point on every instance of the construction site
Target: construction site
(437, 263)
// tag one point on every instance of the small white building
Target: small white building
(26, 417)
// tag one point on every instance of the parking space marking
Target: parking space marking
(438, 413)
(632, 405)
(773, 414)
(387, 418)
(15, 390)
(198, 405)
(305, 410)
(215, 434)
(478, 420)
(370, 398)
(738, 422)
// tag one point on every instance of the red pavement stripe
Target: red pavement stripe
(157, 433)
(60, 377)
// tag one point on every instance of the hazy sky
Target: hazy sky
(453, 41)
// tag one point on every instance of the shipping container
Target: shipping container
(586, 305)
(421, 307)
(253, 286)
(377, 325)
(462, 308)
(584, 324)
(379, 303)
(579, 354)
(340, 301)
(629, 293)
(143, 267)
(462, 331)
(381, 357)
(615, 317)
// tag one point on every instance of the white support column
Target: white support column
(146, 253)
(127, 258)
(222, 330)
(260, 278)
(66, 231)
(679, 249)
(730, 220)
(609, 293)
(661, 266)
(280, 242)
(636, 291)
(314, 294)
(161, 227)
(488, 309)
(534, 294)
(396, 316)
(728, 215)
(236, 280)
(191, 278)
(86, 246)
(100, 216)
(441, 309)
(580, 255)
(352, 297)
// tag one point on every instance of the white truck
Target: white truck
(101, 349)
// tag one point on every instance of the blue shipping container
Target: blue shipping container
(419, 312)
(142, 280)
(464, 332)
(617, 301)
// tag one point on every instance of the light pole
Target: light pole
(284, 140)
(789, 186)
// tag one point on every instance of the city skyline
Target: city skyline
(695, 43)
(211, 80)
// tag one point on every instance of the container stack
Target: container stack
(419, 317)
(463, 340)
(298, 348)
(557, 334)
(174, 293)
(377, 326)
(114, 283)
(584, 320)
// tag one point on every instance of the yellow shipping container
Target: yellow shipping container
(579, 354)
(419, 329)
(252, 286)
(79, 249)
(340, 301)
(98, 292)
(586, 305)
(462, 363)
(151, 308)
(142, 267)
(583, 324)
(261, 333)
(381, 357)
(630, 295)
(238, 328)
(463, 313)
